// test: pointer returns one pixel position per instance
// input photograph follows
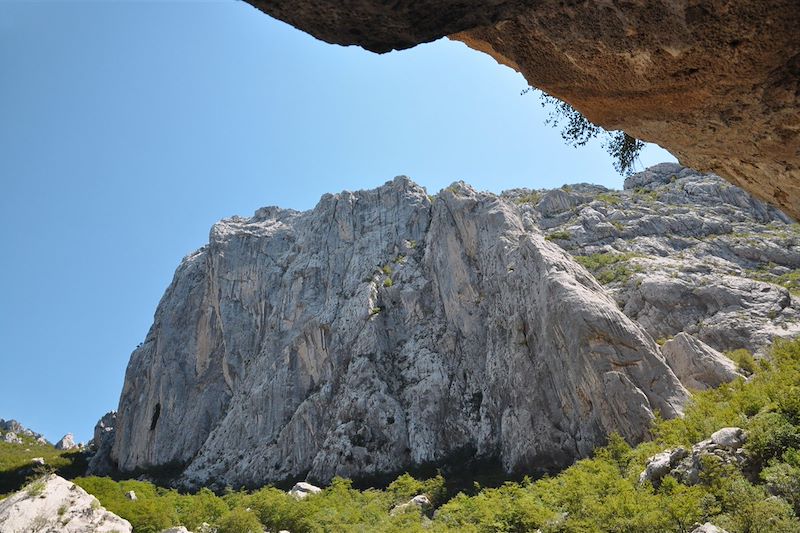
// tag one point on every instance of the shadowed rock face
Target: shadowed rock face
(717, 83)
(379, 331)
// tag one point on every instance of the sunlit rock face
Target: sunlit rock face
(681, 251)
(381, 330)
(716, 83)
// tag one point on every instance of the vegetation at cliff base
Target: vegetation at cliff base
(600, 494)
(16, 465)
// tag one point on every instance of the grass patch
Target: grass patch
(530, 198)
(608, 198)
(558, 236)
(609, 267)
(789, 280)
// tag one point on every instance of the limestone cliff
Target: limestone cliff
(717, 83)
(681, 251)
(380, 330)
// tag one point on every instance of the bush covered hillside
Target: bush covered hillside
(16, 466)
(759, 495)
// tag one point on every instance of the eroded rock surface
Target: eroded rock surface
(55, 504)
(696, 364)
(384, 329)
(100, 463)
(682, 251)
(716, 83)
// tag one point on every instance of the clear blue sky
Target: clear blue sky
(128, 129)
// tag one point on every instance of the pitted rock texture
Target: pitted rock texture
(381, 330)
(682, 251)
(716, 83)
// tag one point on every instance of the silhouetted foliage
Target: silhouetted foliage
(577, 130)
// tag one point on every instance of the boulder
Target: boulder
(419, 502)
(38, 461)
(131, 495)
(661, 464)
(54, 504)
(696, 364)
(302, 490)
(708, 527)
(730, 438)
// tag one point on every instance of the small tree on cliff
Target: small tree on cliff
(577, 130)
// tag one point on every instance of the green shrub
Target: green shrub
(240, 521)
(406, 487)
(609, 198)
(388, 282)
(743, 359)
(609, 267)
(532, 198)
(559, 236)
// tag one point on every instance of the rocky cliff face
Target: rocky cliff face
(682, 251)
(384, 329)
(716, 83)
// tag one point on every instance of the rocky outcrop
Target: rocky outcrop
(67, 442)
(100, 463)
(420, 502)
(12, 426)
(55, 504)
(11, 438)
(682, 251)
(724, 446)
(696, 364)
(381, 330)
(302, 490)
(716, 83)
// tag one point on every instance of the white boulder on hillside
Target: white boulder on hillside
(55, 504)
(12, 438)
(696, 364)
(302, 490)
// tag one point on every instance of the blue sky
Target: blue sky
(128, 129)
